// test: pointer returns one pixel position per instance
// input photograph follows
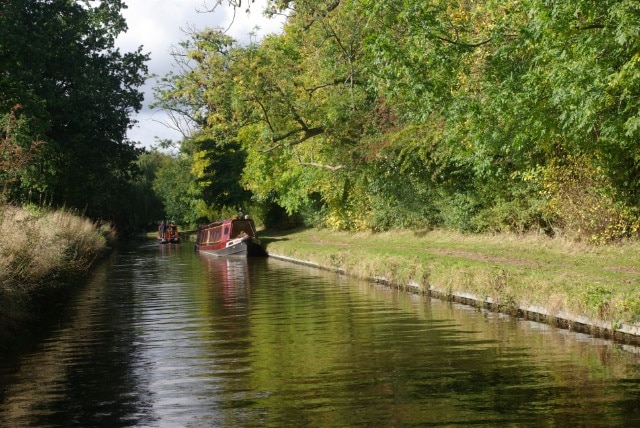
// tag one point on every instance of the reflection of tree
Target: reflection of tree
(267, 343)
(323, 353)
(227, 337)
(85, 373)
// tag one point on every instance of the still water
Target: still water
(165, 337)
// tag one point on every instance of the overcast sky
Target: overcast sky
(158, 25)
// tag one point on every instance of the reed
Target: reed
(41, 248)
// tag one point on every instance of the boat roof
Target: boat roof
(222, 222)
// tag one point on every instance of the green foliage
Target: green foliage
(582, 198)
(217, 166)
(147, 208)
(597, 299)
(369, 115)
(17, 150)
(77, 91)
(631, 309)
(176, 187)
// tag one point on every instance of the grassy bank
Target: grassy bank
(597, 285)
(40, 252)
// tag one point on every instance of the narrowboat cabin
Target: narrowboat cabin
(231, 237)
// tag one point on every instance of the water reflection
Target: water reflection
(163, 336)
(62, 381)
(231, 275)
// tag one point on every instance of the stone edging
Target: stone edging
(629, 334)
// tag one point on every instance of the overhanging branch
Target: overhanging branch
(307, 133)
(329, 167)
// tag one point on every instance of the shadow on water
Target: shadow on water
(40, 313)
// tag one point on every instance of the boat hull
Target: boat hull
(248, 247)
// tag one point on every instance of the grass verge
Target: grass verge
(41, 252)
(592, 285)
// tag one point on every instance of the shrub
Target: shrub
(584, 201)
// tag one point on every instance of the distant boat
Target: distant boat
(231, 237)
(171, 234)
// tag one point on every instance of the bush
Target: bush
(584, 201)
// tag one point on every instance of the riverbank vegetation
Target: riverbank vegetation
(556, 275)
(482, 117)
(41, 252)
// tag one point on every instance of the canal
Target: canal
(165, 337)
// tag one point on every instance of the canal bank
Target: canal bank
(591, 289)
(44, 253)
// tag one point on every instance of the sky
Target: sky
(157, 25)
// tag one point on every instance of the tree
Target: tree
(146, 208)
(374, 114)
(176, 187)
(58, 61)
(218, 166)
(294, 103)
(511, 90)
(17, 150)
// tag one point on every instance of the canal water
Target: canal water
(162, 336)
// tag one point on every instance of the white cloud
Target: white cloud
(157, 25)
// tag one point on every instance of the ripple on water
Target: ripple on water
(163, 336)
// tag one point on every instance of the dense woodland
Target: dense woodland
(479, 116)
(66, 99)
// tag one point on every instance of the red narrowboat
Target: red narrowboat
(231, 237)
(168, 233)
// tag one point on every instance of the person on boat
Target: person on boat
(163, 229)
(173, 230)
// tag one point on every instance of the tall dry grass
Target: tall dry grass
(38, 247)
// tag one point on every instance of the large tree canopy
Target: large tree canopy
(76, 92)
(476, 115)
